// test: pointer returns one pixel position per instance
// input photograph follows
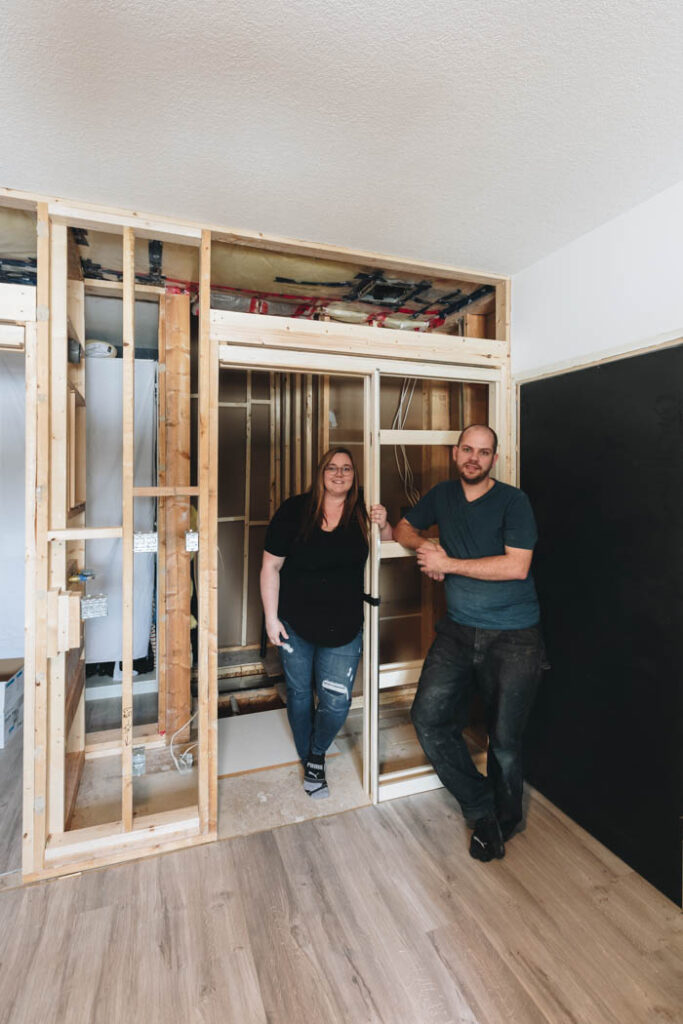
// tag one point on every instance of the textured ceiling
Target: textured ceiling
(480, 133)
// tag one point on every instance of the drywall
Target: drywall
(616, 288)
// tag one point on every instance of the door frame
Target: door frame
(285, 347)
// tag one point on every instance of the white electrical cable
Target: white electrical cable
(403, 466)
(185, 767)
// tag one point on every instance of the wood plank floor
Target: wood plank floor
(11, 758)
(374, 915)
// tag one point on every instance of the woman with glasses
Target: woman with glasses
(312, 592)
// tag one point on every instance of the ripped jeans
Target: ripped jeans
(333, 670)
(504, 667)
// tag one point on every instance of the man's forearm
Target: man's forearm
(494, 567)
(407, 536)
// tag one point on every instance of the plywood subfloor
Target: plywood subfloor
(376, 916)
(259, 740)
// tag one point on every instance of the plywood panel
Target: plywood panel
(230, 562)
(259, 505)
(257, 536)
(231, 461)
(232, 385)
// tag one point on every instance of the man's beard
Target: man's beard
(475, 479)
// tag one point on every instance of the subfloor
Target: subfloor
(377, 915)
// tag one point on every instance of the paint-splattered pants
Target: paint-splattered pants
(504, 667)
(331, 672)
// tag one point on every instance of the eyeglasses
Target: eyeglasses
(346, 470)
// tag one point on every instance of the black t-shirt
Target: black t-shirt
(321, 581)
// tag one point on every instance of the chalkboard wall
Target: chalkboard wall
(601, 457)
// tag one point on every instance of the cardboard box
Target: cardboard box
(11, 699)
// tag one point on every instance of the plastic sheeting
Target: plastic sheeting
(103, 388)
(12, 447)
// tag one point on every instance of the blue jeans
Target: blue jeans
(333, 670)
(504, 666)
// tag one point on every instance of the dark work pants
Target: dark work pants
(504, 667)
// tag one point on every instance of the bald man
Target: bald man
(490, 641)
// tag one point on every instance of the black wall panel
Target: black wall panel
(601, 453)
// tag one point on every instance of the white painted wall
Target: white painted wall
(618, 287)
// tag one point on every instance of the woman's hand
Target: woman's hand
(276, 632)
(378, 514)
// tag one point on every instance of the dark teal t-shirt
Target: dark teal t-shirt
(477, 529)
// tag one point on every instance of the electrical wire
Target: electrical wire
(403, 466)
(182, 766)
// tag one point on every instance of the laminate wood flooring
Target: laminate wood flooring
(11, 768)
(374, 916)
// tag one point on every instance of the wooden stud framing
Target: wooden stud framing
(247, 513)
(208, 504)
(297, 433)
(58, 518)
(324, 415)
(176, 513)
(161, 630)
(127, 529)
(301, 348)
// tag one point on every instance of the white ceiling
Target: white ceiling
(480, 133)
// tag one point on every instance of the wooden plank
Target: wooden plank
(297, 433)
(127, 569)
(75, 761)
(324, 415)
(178, 561)
(271, 432)
(166, 492)
(428, 436)
(136, 224)
(399, 673)
(287, 431)
(277, 422)
(503, 309)
(113, 289)
(87, 843)
(208, 542)
(37, 565)
(75, 686)
(309, 465)
(437, 418)
(372, 432)
(58, 519)
(291, 360)
(161, 652)
(247, 513)
(317, 336)
(74, 267)
(85, 533)
(392, 549)
(18, 302)
(12, 337)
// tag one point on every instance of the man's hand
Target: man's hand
(433, 560)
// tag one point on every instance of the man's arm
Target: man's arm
(409, 537)
(513, 565)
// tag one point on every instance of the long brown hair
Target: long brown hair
(354, 506)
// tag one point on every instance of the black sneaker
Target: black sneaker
(487, 841)
(315, 783)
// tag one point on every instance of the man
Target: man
(490, 640)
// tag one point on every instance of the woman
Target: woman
(312, 592)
